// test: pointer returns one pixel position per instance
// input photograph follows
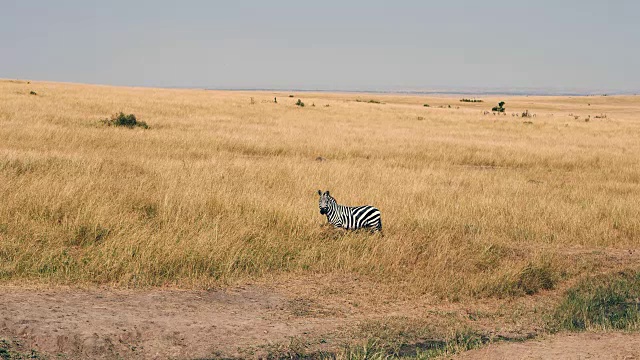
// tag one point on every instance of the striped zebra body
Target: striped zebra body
(349, 217)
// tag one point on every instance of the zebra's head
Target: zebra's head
(325, 199)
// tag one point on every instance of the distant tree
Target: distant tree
(499, 108)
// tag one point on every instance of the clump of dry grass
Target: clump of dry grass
(224, 191)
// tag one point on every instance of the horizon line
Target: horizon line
(435, 90)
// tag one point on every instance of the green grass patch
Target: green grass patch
(602, 302)
(396, 338)
(14, 350)
(461, 340)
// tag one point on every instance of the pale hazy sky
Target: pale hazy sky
(346, 45)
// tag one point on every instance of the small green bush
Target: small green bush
(32, 93)
(300, 103)
(120, 119)
(602, 302)
(426, 105)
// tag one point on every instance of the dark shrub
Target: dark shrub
(300, 103)
(129, 121)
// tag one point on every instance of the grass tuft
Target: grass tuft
(536, 277)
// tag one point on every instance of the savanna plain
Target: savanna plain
(200, 236)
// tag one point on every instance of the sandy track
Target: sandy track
(245, 322)
(157, 323)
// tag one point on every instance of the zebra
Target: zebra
(348, 217)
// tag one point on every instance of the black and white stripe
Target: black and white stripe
(349, 217)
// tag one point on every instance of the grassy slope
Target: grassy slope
(220, 190)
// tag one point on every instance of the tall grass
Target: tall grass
(222, 191)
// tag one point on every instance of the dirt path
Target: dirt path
(246, 322)
(255, 320)
(566, 346)
(158, 323)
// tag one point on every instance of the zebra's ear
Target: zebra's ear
(327, 192)
(320, 192)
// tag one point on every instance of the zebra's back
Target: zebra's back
(365, 216)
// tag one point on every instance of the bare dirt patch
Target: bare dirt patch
(288, 316)
(277, 316)
(316, 313)
(101, 323)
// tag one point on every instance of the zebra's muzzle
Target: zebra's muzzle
(323, 211)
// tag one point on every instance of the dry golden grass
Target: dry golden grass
(220, 190)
